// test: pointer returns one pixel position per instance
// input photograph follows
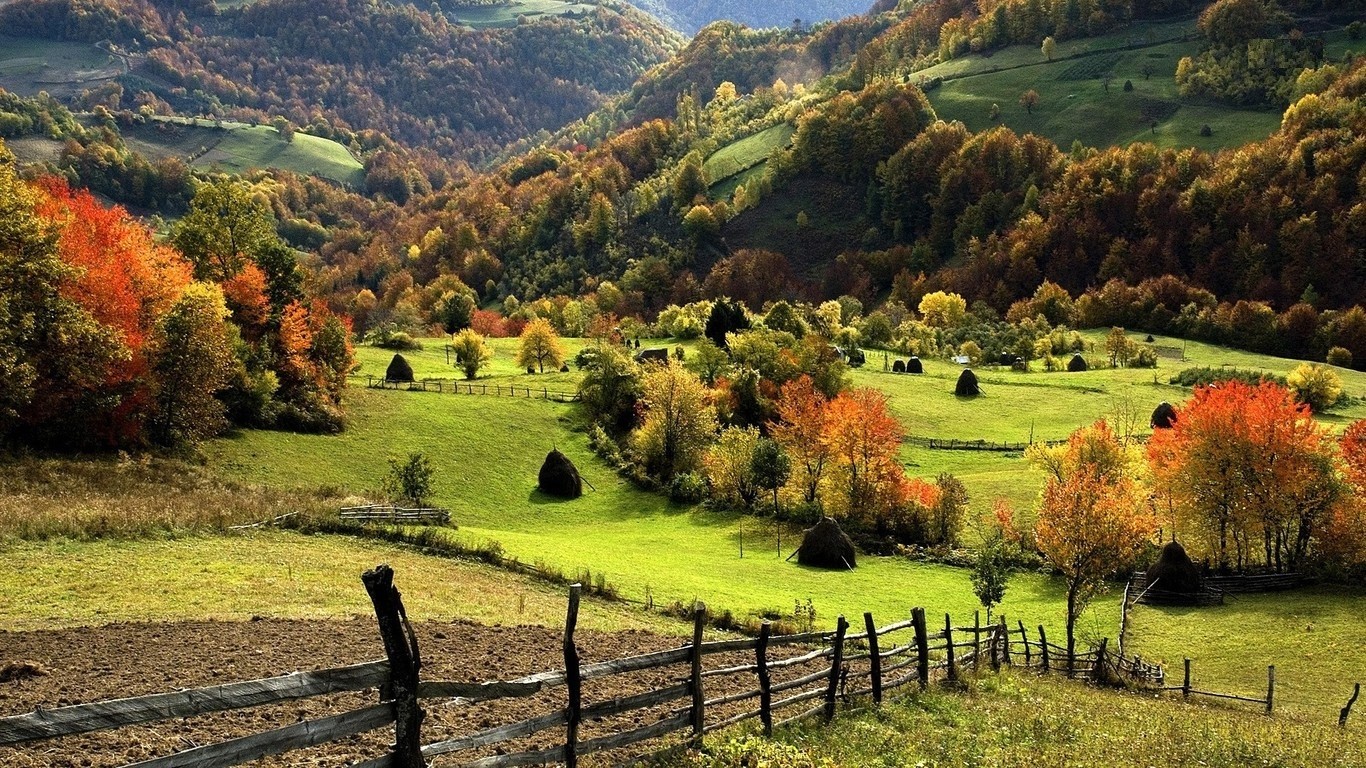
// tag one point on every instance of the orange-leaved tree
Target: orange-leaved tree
(1342, 540)
(863, 439)
(1094, 517)
(1246, 472)
(801, 422)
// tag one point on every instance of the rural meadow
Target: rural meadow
(529, 382)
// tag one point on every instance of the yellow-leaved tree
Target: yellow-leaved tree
(540, 346)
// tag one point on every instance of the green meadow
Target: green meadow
(506, 14)
(738, 162)
(1075, 103)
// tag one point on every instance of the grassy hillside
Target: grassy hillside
(1015, 720)
(272, 573)
(1075, 104)
(29, 65)
(238, 147)
(738, 161)
(505, 15)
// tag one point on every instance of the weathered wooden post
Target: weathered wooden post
(1186, 682)
(1270, 687)
(836, 661)
(976, 640)
(699, 619)
(1098, 670)
(573, 713)
(1024, 639)
(948, 642)
(1005, 641)
(1347, 710)
(765, 683)
(874, 660)
(922, 646)
(1043, 647)
(405, 661)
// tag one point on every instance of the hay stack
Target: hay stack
(967, 384)
(1173, 578)
(559, 476)
(399, 370)
(899, 366)
(1077, 364)
(826, 545)
(1164, 416)
(914, 365)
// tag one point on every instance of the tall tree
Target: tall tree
(225, 228)
(800, 426)
(1093, 519)
(679, 420)
(193, 361)
(863, 439)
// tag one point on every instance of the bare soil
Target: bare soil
(122, 660)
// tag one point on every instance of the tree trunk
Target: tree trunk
(1071, 627)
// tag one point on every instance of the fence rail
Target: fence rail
(773, 678)
(388, 513)
(457, 387)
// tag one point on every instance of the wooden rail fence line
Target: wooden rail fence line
(810, 674)
(388, 513)
(473, 388)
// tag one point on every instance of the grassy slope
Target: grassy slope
(487, 451)
(1018, 720)
(270, 573)
(1074, 104)
(1311, 635)
(745, 154)
(481, 17)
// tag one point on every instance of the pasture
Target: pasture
(506, 14)
(1076, 105)
(29, 65)
(738, 162)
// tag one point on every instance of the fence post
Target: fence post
(699, 618)
(573, 713)
(836, 661)
(1270, 687)
(400, 645)
(948, 640)
(1098, 669)
(1043, 647)
(976, 639)
(1186, 682)
(1005, 642)
(874, 660)
(922, 646)
(1024, 638)
(765, 684)
(1347, 710)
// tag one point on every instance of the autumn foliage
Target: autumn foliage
(1245, 476)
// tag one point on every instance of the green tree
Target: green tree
(708, 361)
(990, 574)
(225, 227)
(772, 468)
(610, 386)
(471, 352)
(455, 309)
(409, 482)
(193, 361)
(678, 424)
(30, 273)
(540, 346)
(729, 466)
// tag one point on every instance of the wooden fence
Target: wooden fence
(1187, 690)
(954, 444)
(388, 513)
(774, 678)
(473, 388)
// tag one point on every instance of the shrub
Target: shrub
(1128, 85)
(687, 488)
(1356, 30)
(1316, 386)
(1145, 357)
(397, 340)
(1340, 356)
(1203, 377)
(1206, 131)
(411, 480)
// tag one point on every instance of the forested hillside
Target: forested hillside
(363, 73)
(692, 16)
